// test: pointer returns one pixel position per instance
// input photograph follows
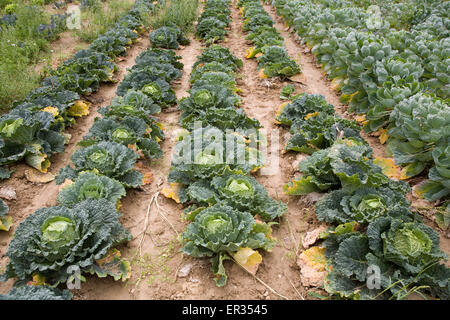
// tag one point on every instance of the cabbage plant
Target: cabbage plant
(216, 152)
(54, 239)
(89, 185)
(107, 158)
(216, 53)
(129, 131)
(238, 190)
(346, 164)
(220, 231)
(362, 205)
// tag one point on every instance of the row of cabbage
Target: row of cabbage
(273, 59)
(371, 226)
(55, 244)
(228, 210)
(398, 79)
(213, 22)
(33, 129)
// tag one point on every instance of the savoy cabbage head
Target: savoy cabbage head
(362, 205)
(107, 158)
(320, 131)
(89, 185)
(216, 152)
(129, 131)
(216, 53)
(232, 119)
(53, 239)
(303, 105)
(210, 67)
(219, 231)
(238, 190)
(410, 245)
(275, 61)
(168, 37)
(406, 253)
(158, 56)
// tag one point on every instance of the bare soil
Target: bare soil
(155, 251)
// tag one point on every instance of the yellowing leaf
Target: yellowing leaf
(160, 125)
(133, 147)
(348, 97)
(148, 174)
(312, 114)
(280, 109)
(383, 136)
(38, 280)
(79, 109)
(360, 118)
(6, 223)
(312, 263)
(412, 170)
(255, 169)
(112, 265)
(37, 159)
(388, 167)
(52, 110)
(118, 204)
(336, 83)
(33, 175)
(112, 254)
(260, 54)
(190, 216)
(315, 257)
(262, 75)
(249, 259)
(171, 192)
(250, 52)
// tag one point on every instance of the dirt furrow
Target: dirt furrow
(316, 81)
(261, 100)
(155, 257)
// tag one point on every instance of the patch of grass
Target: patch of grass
(20, 47)
(291, 255)
(180, 12)
(154, 267)
(97, 19)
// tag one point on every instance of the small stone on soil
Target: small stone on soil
(8, 193)
(185, 270)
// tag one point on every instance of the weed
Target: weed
(97, 19)
(180, 12)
